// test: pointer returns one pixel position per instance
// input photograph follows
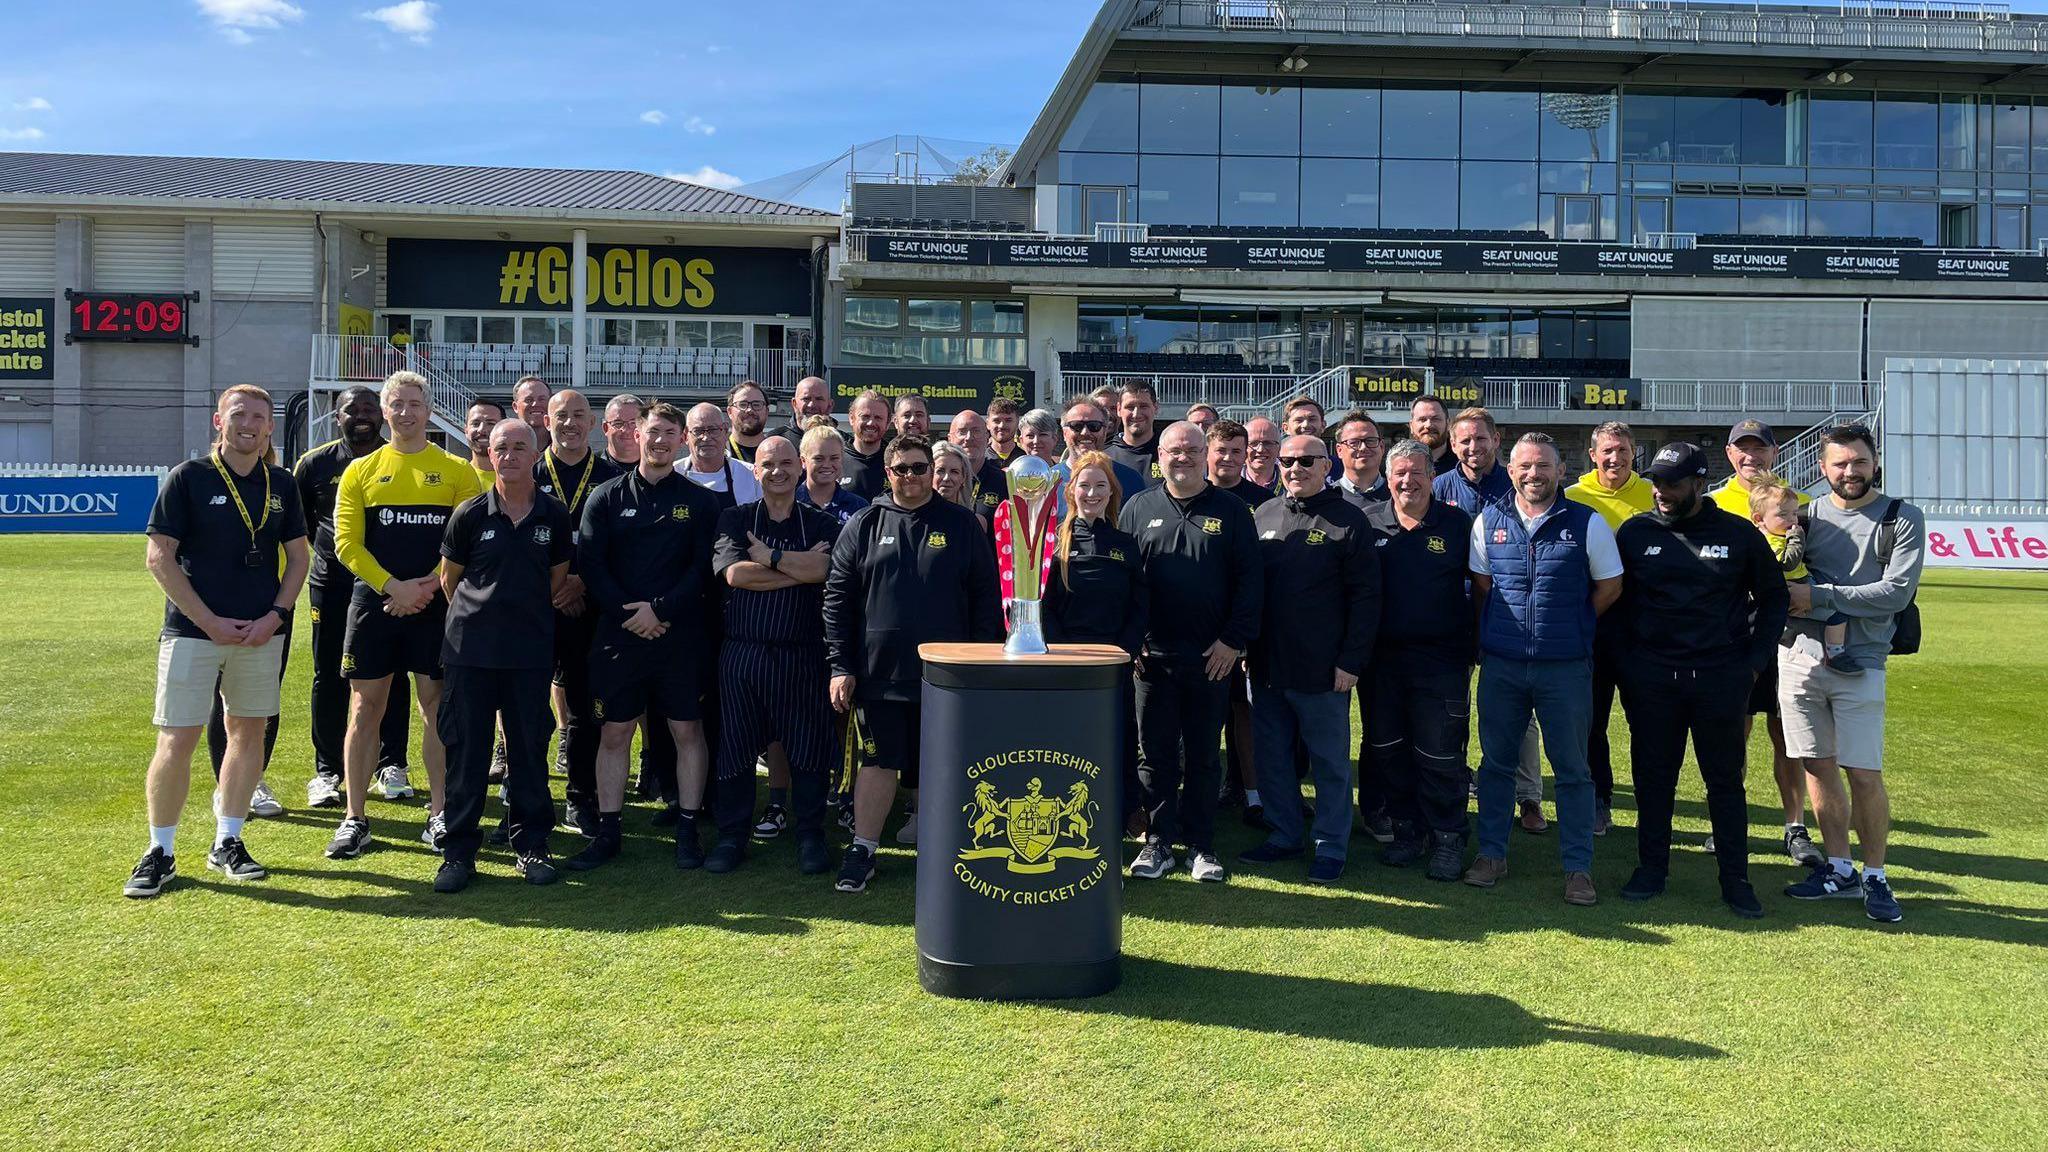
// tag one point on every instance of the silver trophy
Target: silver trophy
(1031, 506)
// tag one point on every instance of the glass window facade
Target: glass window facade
(1771, 162)
(932, 332)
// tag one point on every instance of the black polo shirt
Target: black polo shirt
(214, 549)
(503, 614)
(990, 488)
(318, 476)
(793, 615)
(1425, 608)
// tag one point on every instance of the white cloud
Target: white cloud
(32, 104)
(235, 18)
(709, 177)
(654, 116)
(25, 135)
(414, 19)
(696, 126)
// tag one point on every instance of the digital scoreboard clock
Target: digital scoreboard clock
(130, 316)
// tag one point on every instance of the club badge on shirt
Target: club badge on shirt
(937, 540)
(1212, 526)
(1435, 544)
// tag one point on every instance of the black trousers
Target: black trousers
(580, 728)
(771, 692)
(473, 702)
(1180, 721)
(1420, 719)
(216, 721)
(1665, 705)
(1372, 780)
(330, 688)
(1609, 644)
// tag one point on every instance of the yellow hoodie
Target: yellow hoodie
(1613, 504)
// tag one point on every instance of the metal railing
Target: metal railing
(1180, 389)
(1742, 396)
(1799, 457)
(461, 372)
(1933, 27)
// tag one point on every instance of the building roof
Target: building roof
(32, 176)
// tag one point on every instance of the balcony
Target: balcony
(492, 369)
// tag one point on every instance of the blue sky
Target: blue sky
(731, 92)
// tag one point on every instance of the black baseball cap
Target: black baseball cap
(1752, 429)
(1678, 460)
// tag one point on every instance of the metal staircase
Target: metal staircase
(342, 361)
(1799, 457)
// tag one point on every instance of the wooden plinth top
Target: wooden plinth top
(1068, 654)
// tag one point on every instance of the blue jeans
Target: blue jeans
(1559, 693)
(1323, 721)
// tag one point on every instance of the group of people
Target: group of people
(743, 596)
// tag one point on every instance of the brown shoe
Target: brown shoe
(1486, 872)
(1532, 816)
(1578, 889)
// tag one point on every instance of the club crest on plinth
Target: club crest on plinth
(1033, 831)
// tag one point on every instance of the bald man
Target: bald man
(988, 487)
(569, 471)
(813, 398)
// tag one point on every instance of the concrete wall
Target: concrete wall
(1052, 324)
(1962, 329)
(1702, 338)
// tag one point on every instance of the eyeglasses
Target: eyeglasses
(1264, 444)
(750, 405)
(1085, 425)
(1300, 461)
(1357, 442)
(916, 468)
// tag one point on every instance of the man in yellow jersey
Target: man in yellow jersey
(1753, 453)
(1614, 490)
(389, 516)
(476, 425)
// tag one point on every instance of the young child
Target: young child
(1774, 506)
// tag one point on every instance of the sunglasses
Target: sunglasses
(1300, 461)
(1085, 425)
(918, 468)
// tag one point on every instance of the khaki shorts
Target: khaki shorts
(187, 671)
(1828, 714)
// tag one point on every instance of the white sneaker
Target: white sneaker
(1207, 868)
(1154, 860)
(908, 833)
(263, 803)
(393, 783)
(435, 833)
(322, 793)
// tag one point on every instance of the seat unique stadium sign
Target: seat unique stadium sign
(1565, 259)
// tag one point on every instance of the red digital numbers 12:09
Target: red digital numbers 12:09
(127, 316)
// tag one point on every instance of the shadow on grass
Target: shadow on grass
(1382, 1015)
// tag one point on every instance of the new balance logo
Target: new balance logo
(218, 500)
(886, 540)
(488, 534)
(1155, 524)
(628, 513)
(1654, 550)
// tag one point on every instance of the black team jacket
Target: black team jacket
(1700, 592)
(1101, 597)
(904, 578)
(1201, 567)
(1322, 591)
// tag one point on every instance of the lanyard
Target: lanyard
(548, 457)
(254, 526)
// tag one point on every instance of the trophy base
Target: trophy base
(1027, 637)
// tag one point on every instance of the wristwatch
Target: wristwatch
(775, 558)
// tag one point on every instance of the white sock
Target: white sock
(163, 838)
(871, 845)
(1877, 873)
(1251, 798)
(1843, 866)
(1790, 828)
(225, 827)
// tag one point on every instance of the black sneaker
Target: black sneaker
(1325, 870)
(689, 852)
(774, 821)
(1644, 884)
(1740, 896)
(579, 818)
(536, 867)
(855, 870)
(812, 857)
(454, 875)
(1800, 847)
(501, 835)
(1380, 827)
(1254, 816)
(350, 839)
(231, 859)
(150, 876)
(726, 855)
(1824, 883)
(1878, 902)
(1446, 856)
(595, 854)
(1403, 851)
(668, 816)
(846, 815)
